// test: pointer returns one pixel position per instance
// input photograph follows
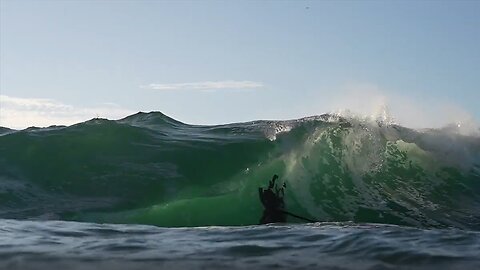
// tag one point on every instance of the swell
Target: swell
(152, 169)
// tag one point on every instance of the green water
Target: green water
(151, 169)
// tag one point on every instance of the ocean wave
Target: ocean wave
(149, 168)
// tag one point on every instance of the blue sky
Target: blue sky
(212, 62)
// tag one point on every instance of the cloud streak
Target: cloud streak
(20, 113)
(207, 85)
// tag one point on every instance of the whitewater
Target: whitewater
(151, 192)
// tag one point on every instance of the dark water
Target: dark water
(71, 245)
(153, 170)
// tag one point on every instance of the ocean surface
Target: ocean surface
(150, 192)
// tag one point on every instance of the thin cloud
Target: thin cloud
(207, 85)
(20, 113)
(42, 104)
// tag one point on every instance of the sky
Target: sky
(215, 62)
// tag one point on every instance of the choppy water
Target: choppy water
(67, 187)
(72, 245)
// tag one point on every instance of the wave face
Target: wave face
(152, 169)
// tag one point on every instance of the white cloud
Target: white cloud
(20, 113)
(32, 103)
(208, 85)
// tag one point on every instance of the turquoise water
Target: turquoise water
(149, 169)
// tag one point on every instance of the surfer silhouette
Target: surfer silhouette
(272, 200)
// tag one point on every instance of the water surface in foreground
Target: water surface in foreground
(71, 245)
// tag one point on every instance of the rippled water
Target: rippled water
(72, 245)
